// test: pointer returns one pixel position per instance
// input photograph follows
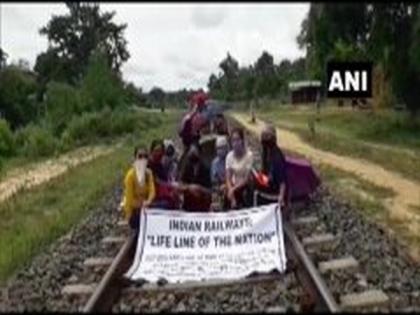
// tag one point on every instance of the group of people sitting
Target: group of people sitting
(192, 182)
(159, 179)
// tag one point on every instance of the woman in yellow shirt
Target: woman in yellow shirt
(139, 188)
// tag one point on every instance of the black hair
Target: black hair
(239, 131)
(156, 143)
(139, 147)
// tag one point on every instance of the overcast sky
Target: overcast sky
(171, 45)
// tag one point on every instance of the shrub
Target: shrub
(62, 101)
(6, 139)
(100, 86)
(89, 127)
(36, 141)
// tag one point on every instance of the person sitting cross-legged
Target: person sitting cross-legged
(273, 167)
(239, 163)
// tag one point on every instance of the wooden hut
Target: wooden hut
(304, 91)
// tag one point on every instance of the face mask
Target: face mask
(238, 147)
(140, 166)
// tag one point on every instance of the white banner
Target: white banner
(185, 246)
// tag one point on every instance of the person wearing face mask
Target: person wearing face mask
(239, 163)
(139, 188)
(157, 151)
(166, 194)
(195, 182)
(273, 166)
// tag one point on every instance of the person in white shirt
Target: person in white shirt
(239, 163)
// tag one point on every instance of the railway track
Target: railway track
(312, 262)
(315, 293)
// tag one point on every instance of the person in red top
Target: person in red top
(192, 123)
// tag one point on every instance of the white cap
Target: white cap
(221, 141)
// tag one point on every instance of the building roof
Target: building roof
(296, 85)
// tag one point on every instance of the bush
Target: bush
(6, 139)
(89, 127)
(35, 141)
(17, 91)
(100, 86)
(62, 101)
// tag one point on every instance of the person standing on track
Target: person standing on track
(192, 123)
(139, 188)
(239, 163)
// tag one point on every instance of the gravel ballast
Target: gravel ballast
(382, 265)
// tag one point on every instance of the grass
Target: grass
(369, 199)
(34, 219)
(364, 195)
(396, 144)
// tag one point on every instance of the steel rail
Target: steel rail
(108, 289)
(320, 297)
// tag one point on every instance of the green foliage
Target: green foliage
(6, 139)
(36, 141)
(89, 127)
(100, 87)
(3, 58)
(388, 34)
(260, 80)
(17, 90)
(73, 37)
(61, 102)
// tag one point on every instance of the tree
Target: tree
(230, 68)
(324, 26)
(3, 58)
(265, 75)
(134, 94)
(410, 91)
(61, 102)
(101, 87)
(17, 87)
(157, 95)
(73, 38)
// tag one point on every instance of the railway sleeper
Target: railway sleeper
(122, 223)
(370, 298)
(338, 264)
(114, 240)
(325, 241)
(303, 221)
(98, 261)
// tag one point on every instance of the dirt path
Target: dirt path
(36, 174)
(402, 207)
